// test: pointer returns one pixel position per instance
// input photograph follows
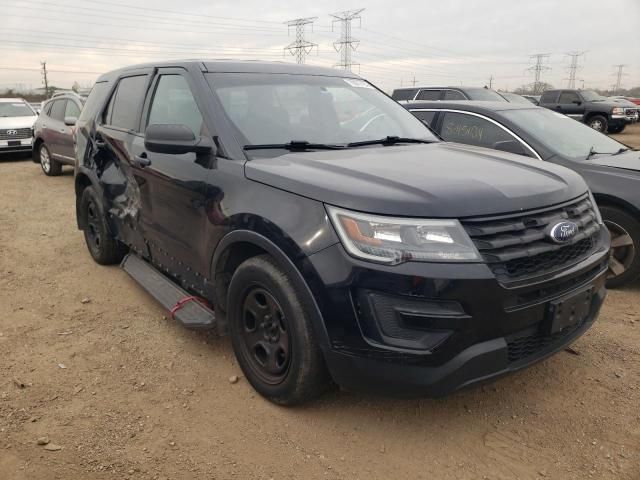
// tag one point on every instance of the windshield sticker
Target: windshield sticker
(356, 82)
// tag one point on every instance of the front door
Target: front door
(571, 105)
(173, 185)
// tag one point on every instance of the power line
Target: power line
(573, 68)
(537, 69)
(346, 44)
(300, 48)
(619, 74)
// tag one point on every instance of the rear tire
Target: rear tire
(598, 123)
(103, 247)
(272, 334)
(50, 167)
(624, 265)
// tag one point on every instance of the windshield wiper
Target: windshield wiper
(389, 140)
(592, 152)
(294, 145)
(622, 150)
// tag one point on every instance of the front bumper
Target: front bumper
(19, 145)
(460, 327)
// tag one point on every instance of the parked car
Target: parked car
(53, 133)
(446, 93)
(515, 98)
(588, 107)
(16, 125)
(366, 251)
(632, 111)
(611, 169)
(635, 101)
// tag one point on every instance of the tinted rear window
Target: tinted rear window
(549, 97)
(93, 103)
(429, 95)
(403, 94)
(125, 107)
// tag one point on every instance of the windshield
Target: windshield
(591, 96)
(15, 109)
(485, 94)
(561, 134)
(280, 108)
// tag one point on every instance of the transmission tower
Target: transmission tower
(573, 68)
(537, 69)
(346, 44)
(619, 74)
(300, 48)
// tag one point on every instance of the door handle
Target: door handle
(141, 160)
(100, 144)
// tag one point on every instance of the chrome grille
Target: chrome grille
(20, 133)
(517, 247)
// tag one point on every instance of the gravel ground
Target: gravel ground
(91, 366)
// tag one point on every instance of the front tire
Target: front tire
(624, 264)
(618, 129)
(272, 335)
(598, 123)
(103, 247)
(49, 166)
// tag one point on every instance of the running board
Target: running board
(187, 310)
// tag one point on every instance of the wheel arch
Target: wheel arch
(603, 199)
(239, 245)
(81, 182)
(36, 149)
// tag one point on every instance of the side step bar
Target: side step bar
(192, 314)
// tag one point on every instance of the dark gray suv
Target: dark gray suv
(53, 133)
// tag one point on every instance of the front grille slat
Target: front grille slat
(21, 133)
(517, 246)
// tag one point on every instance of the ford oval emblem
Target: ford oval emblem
(563, 232)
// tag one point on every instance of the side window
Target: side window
(57, 110)
(96, 97)
(429, 95)
(72, 109)
(426, 117)
(453, 95)
(472, 130)
(126, 102)
(549, 97)
(568, 97)
(173, 103)
(403, 94)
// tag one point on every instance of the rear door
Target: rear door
(550, 99)
(571, 105)
(118, 127)
(173, 196)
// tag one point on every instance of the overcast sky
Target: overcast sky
(445, 42)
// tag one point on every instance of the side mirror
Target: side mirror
(70, 121)
(175, 140)
(511, 146)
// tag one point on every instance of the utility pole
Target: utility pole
(414, 81)
(537, 69)
(573, 68)
(619, 74)
(45, 80)
(491, 81)
(346, 44)
(300, 48)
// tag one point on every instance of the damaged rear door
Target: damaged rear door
(118, 127)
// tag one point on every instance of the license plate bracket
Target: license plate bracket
(14, 143)
(569, 310)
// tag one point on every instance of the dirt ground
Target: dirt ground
(90, 361)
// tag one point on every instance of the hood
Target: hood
(17, 122)
(443, 180)
(629, 160)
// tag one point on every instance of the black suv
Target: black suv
(447, 93)
(53, 133)
(322, 226)
(600, 113)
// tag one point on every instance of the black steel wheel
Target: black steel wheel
(104, 248)
(272, 333)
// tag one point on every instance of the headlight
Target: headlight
(395, 240)
(596, 210)
(617, 111)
